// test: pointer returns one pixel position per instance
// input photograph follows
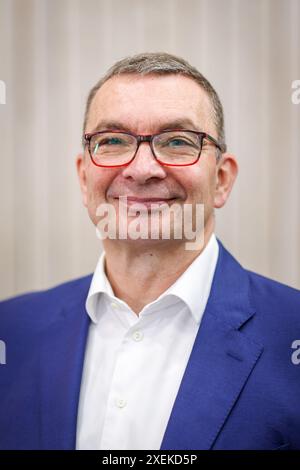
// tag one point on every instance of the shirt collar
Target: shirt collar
(100, 284)
(192, 287)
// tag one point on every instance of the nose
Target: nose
(144, 166)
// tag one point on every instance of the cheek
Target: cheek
(200, 186)
(196, 186)
(98, 181)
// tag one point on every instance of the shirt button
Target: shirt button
(120, 402)
(137, 335)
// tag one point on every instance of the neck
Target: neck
(139, 273)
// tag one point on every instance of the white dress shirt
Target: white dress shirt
(134, 364)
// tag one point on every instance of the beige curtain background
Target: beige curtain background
(53, 51)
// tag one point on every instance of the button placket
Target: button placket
(137, 335)
(121, 402)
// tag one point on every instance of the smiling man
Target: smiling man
(164, 347)
(171, 101)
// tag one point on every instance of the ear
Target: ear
(226, 173)
(81, 171)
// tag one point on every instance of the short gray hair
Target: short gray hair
(162, 63)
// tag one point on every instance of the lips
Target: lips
(145, 201)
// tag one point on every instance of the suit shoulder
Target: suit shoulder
(38, 303)
(54, 292)
(258, 280)
(275, 296)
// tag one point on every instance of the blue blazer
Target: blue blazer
(240, 389)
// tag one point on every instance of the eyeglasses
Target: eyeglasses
(170, 148)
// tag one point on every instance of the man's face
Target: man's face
(148, 105)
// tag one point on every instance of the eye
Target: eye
(111, 141)
(108, 142)
(177, 142)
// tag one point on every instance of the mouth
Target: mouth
(146, 202)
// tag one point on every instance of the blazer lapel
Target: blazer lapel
(220, 363)
(61, 365)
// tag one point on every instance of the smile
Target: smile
(144, 201)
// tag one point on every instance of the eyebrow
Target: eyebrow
(181, 123)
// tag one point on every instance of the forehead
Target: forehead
(147, 103)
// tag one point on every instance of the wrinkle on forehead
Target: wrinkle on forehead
(144, 103)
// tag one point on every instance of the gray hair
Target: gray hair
(162, 63)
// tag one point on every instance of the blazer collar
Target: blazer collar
(221, 360)
(61, 366)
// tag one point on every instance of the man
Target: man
(165, 347)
